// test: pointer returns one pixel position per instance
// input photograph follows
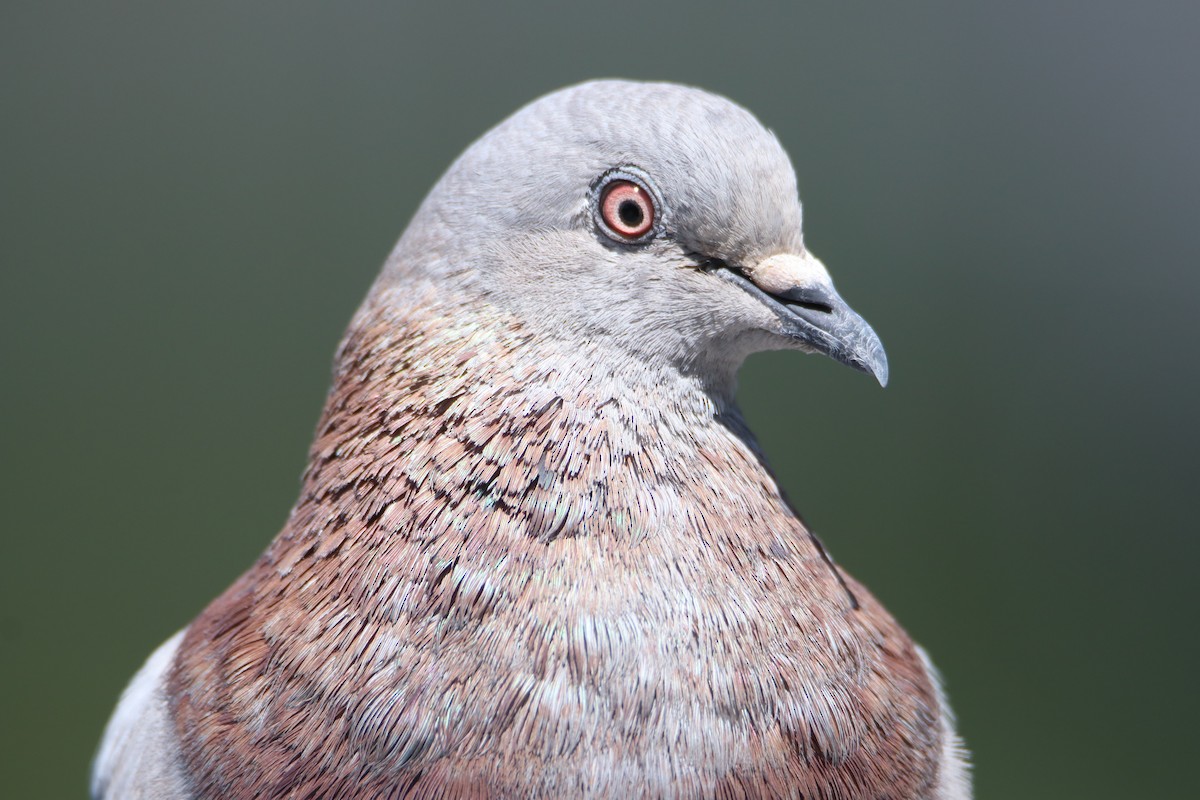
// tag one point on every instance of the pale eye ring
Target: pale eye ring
(627, 209)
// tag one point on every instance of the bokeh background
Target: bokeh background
(194, 199)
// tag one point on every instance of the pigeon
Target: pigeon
(537, 552)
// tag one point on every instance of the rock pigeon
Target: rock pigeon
(537, 553)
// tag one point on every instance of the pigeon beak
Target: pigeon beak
(797, 287)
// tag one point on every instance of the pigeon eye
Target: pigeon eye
(627, 209)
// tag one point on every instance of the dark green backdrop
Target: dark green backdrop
(194, 200)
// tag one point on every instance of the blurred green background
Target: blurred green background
(194, 200)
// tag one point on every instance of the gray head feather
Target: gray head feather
(512, 225)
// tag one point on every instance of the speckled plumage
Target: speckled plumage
(536, 551)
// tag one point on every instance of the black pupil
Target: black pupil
(630, 213)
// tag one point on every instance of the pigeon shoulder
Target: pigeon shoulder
(139, 756)
(954, 766)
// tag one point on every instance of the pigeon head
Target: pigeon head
(653, 220)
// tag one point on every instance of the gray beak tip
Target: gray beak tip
(871, 360)
(878, 366)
